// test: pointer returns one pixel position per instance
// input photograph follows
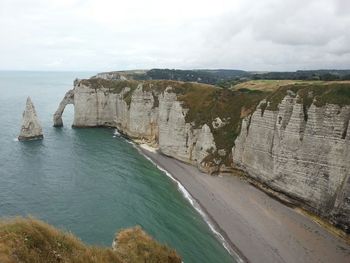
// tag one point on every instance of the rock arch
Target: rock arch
(68, 99)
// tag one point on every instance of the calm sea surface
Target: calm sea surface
(85, 180)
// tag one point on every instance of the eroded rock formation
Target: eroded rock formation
(155, 118)
(31, 128)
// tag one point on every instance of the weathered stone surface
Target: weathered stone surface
(31, 128)
(303, 154)
(155, 118)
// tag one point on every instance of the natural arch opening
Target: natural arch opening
(68, 115)
(57, 117)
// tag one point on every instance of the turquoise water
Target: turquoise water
(85, 180)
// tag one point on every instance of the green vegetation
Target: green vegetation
(135, 246)
(325, 75)
(322, 92)
(113, 86)
(206, 76)
(264, 85)
(29, 240)
(206, 105)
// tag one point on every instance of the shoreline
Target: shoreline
(257, 227)
(214, 227)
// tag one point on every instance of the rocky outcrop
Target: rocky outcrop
(302, 152)
(31, 128)
(154, 117)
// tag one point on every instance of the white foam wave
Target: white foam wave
(148, 148)
(196, 206)
(15, 139)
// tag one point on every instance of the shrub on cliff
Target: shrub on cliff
(30, 240)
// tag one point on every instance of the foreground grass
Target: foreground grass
(30, 240)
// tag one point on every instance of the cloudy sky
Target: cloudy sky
(104, 35)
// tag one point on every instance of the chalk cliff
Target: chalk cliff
(301, 151)
(155, 116)
(31, 128)
(295, 140)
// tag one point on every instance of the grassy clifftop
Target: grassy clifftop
(29, 240)
(320, 92)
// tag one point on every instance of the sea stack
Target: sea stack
(31, 128)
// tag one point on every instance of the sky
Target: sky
(104, 35)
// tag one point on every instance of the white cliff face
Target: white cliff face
(180, 139)
(31, 128)
(111, 75)
(174, 133)
(94, 107)
(143, 115)
(304, 157)
(155, 118)
(205, 144)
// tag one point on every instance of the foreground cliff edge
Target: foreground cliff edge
(30, 240)
(293, 139)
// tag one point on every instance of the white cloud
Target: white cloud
(108, 34)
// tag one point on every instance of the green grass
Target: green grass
(337, 93)
(113, 86)
(29, 240)
(135, 246)
(264, 85)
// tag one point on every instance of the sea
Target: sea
(90, 182)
